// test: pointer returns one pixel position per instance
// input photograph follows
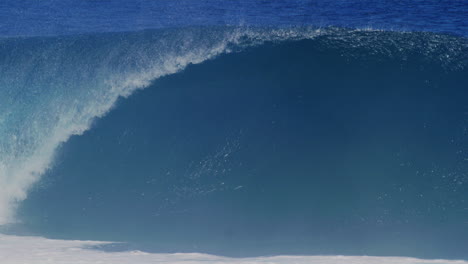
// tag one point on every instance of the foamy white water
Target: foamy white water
(37, 250)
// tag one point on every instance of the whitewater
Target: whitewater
(22, 250)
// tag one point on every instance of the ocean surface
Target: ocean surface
(234, 131)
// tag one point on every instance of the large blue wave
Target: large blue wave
(304, 140)
(52, 88)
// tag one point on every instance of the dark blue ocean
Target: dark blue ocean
(237, 128)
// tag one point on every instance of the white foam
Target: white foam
(37, 250)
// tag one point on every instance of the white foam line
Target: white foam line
(38, 250)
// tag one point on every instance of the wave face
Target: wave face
(283, 141)
(52, 88)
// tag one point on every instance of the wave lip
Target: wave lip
(16, 249)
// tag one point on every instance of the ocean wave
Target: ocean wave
(52, 88)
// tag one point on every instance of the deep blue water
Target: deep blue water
(243, 129)
(52, 17)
